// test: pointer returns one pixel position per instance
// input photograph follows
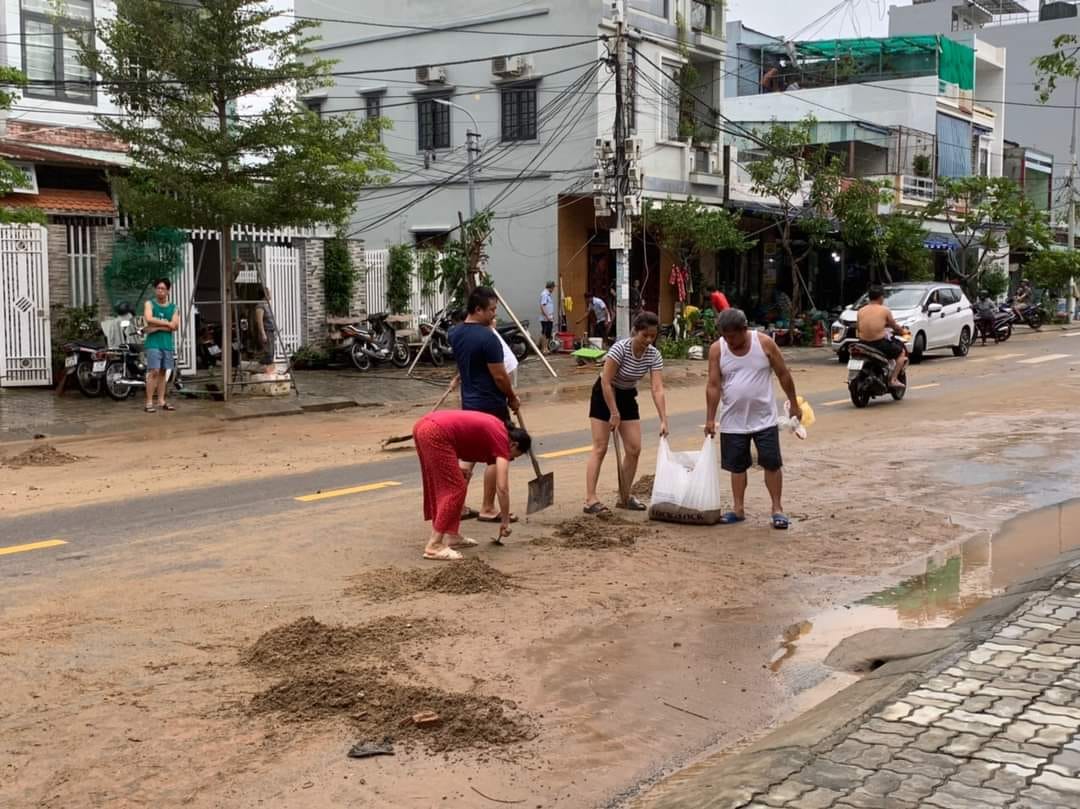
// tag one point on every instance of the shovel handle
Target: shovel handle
(532, 455)
(442, 400)
(624, 494)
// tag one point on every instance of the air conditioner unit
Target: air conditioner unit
(432, 74)
(511, 67)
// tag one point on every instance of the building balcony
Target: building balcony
(909, 191)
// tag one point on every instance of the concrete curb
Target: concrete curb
(734, 781)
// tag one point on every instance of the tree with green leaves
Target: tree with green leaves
(691, 229)
(178, 71)
(988, 217)
(1053, 271)
(887, 243)
(785, 157)
(11, 80)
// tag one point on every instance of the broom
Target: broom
(401, 439)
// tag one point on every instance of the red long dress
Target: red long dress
(442, 439)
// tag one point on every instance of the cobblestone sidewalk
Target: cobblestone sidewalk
(998, 728)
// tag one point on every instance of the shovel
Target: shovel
(401, 439)
(542, 488)
(624, 488)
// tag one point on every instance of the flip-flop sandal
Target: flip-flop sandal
(168, 407)
(465, 543)
(780, 522)
(482, 518)
(149, 409)
(444, 555)
(731, 518)
(596, 508)
(470, 514)
(633, 504)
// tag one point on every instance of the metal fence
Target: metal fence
(377, 262)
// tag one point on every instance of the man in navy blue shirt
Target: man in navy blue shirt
(485, 384)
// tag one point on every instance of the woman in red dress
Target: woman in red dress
(442, 440)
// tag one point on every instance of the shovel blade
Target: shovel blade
(541, 493)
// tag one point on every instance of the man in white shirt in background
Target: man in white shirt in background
(547, 316)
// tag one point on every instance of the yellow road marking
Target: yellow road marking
(926, 387)
(566, 453)
(32, 546)
(834, 404)
(370, 487)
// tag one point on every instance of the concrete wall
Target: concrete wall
(902, 102)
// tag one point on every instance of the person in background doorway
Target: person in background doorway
(597, 314)
(741, 368)
(547, 316)
(613, 406)
(266, 329)
(485, 384)
(162, 323)
(636, 304)
(445, 438)
(718, 300)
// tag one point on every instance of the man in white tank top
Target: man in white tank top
(741, 368)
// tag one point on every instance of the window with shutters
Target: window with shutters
(432, 124)
(519, 113)
(373, 108)
(50, 54)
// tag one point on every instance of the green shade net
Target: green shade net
(957, 65)
(138, 260)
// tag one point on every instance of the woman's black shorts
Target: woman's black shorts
(625, 400)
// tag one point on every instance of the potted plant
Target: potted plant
(921, 165)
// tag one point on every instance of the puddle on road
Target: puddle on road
(936, 591)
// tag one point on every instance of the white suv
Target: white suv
(937, 316)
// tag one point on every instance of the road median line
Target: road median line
(32, 546)
(369, 487)
(566, 453)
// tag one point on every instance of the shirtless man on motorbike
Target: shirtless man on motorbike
(874, 321)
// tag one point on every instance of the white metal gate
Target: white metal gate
(281, 268)
(184, 297)
(377, 263)
(25, 339)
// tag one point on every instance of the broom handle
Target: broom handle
(442, 400)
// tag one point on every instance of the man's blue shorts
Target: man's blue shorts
(160, 359)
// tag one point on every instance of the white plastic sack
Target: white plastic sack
(687, 486)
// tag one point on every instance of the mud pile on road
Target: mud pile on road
(378, 708)
(43, 455)
(644, 485)
(602, 532)
(457, 578)
(307, 642)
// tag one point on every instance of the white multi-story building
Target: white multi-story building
(1024, 30)
(905, 110)
(534, 81)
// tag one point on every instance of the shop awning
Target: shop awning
(941, 241)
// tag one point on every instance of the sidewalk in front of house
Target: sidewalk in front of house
(28, 413)
(990, 719)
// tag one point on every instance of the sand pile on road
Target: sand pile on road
(455, 578)
(306, 642)
(643, 486)
(378, 707)
(43, 455)
(602, 532)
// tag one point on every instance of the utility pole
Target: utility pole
(1070, 300)
(622, 234)
(472, 146)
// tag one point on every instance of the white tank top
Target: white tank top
(749, 404)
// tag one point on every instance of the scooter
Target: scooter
(86, 362)
(869, 372)
(438, 346)
(999, 331)
(1030, 315)
(378, 343)
(515, 339)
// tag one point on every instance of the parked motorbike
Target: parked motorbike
(125, 365)
(515, 339)
(377, 343)
(86, 362)
(438, 347)
(869, 372)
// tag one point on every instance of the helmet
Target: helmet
(984, 293)
(124, 308)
